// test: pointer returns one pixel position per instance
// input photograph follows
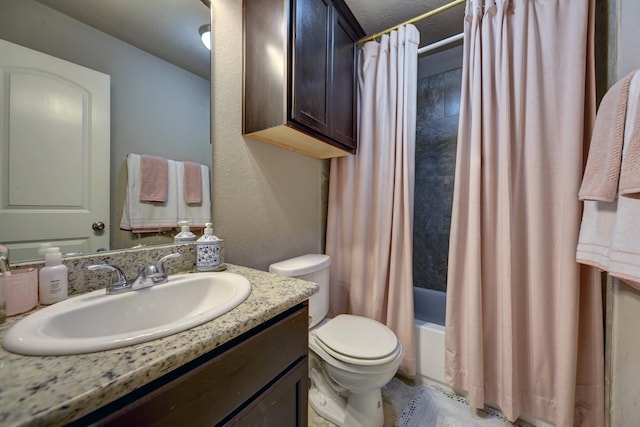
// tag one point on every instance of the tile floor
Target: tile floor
(395, 397)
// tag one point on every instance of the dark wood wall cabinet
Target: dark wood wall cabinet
(259, 378)
(300, 75)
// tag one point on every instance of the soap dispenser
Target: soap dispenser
(208, 251)
(185, 235)
(4, 269)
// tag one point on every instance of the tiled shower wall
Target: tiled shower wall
(438, 105)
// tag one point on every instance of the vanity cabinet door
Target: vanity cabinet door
(282, 404)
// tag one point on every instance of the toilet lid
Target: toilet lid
(358, 337)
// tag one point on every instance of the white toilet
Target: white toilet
(351, 357)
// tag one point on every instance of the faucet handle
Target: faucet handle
(161, 261)
(118, 279)
(153, 274)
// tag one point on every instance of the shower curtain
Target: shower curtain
(370, 212)
(524, 320)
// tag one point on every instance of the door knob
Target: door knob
(97, 226)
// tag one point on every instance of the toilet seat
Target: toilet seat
(357, 340)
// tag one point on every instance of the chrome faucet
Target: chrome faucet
(153, 274)
(149, 275)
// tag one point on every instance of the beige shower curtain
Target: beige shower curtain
(370, 212)
(524, 321)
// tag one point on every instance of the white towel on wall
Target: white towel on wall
(610, 232)
(197, 214)
(141, 217)
(147, 217)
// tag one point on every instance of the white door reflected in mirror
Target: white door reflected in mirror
(54, 156)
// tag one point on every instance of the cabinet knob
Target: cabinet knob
(97, 226)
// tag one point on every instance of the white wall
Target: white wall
(624, 349)
(628, 36)
(623, 302)
(268, 202)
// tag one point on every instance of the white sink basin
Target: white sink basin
(95, 321)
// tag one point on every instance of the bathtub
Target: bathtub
(429, 315)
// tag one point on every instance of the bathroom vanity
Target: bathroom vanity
(248, 364)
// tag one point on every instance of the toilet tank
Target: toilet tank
(314, 268)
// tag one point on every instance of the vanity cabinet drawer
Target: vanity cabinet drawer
(261, 374)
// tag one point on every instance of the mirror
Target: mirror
(159, 78)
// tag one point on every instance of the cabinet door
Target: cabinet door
(311, 64)
(324, 71)
(343, 82)
(282, 404)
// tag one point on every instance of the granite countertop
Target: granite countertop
(39, 391)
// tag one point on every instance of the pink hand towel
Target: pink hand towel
(192, 183)
(602, 173)
(154, 173)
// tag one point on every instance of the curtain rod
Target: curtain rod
(441, 43)
(412, 20)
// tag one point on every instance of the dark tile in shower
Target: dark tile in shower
(447, 182)
(452, 89)
(436, 146)
(437, 132)
(438, 106)
(430, 262)
(431, 200)
(430, 98)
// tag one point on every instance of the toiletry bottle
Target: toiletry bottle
(5, 269)
(208, 250)
(43, 249)
(185, 235)
(3, 310)
(52, 278)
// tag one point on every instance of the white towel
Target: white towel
(146, 217)
(197, 214)
(610, 231)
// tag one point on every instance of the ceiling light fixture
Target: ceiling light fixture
(205, 35)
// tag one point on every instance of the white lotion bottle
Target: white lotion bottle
(53, 278)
